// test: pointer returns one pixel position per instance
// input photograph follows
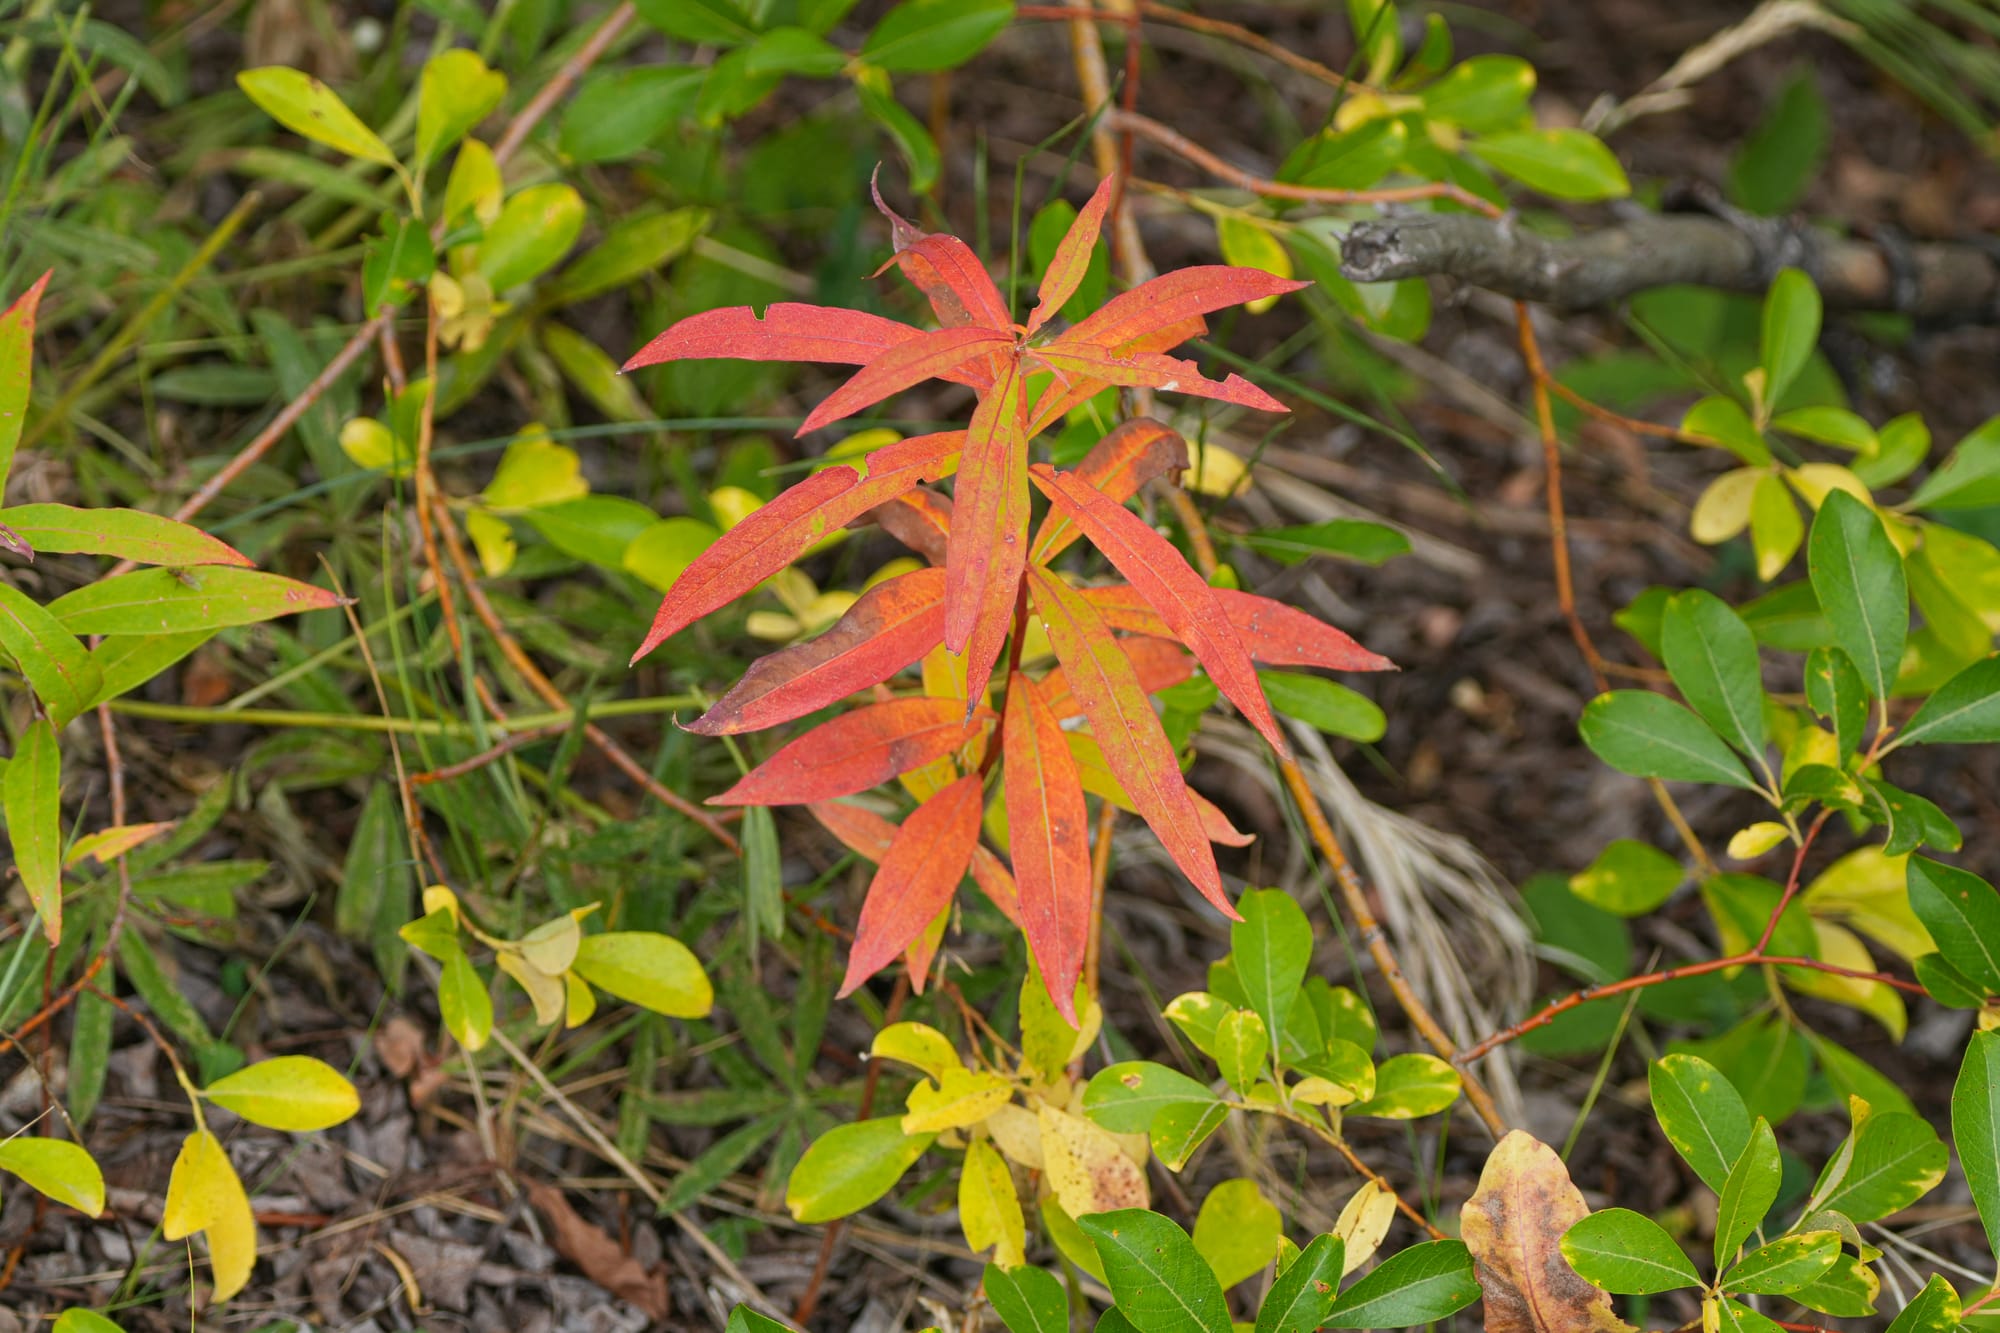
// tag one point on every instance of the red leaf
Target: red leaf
(920, 520)
(1061, 396)
(1174, 298)
(1048, 835)
(926, 356)
(1097, 779)
(922, 951)
(989, 532)
(862, 832)
(1160, 664)
(1135, 747)
(1072, 259)
(1151, 370)
(1218, 826)
(916, 879)
(856, 751)
(890, 626)
(1272, 631)
(1119, 464)
(1165, 579)
(997, 883)
(781, 531)
(1286, 636)
(945, 270)
(786, 331)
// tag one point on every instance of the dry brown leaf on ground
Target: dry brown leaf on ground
(1514, 1224)
(593, 1250)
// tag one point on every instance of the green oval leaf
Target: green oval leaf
(1857, 575)
(290, 1092)
(1561, 163)
(1409, 1086)
(1712, 658)
(851, 1166)
(534, 231)
(1627, 1253)
(1962, 914)
(178, 601)
(1418, 1285)
(1272, 946)
(57, 1168)
(307, 107)
(1702, 1114)
(1749, 1192)
(1304, 1294)
(922, 36)
(1785, 1265)
(1964, 711)
(653, 971)
(1126, 1097)
(1975, 1128)
(1651, 736)
(454, 93)
(1791, 330)
(1160, 1281)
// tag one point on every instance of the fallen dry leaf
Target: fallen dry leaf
(1514, 1225)
(592, 1249)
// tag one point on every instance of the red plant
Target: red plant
(993, 578)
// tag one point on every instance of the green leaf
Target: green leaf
(1962, 914)
(1784, 1265)
(1418, 1285)
(913, 141)
(1048, 1042)
(1629, 878)
(793, 50)
(1848, 1289)
(1935, 1309)
(1346, 538)
(1237, 1231)
(1126, 1097)
(851, 1166)
(53, 661)
(1964, 711)
(1791, 331)
(455, 92)
(1702, 1115)
(1627, 1253)
(84, 1321)
(1561, 163)
(31, 796)
(1836, 692)
(464, 1003)
(1783, 154)
(1857, 575)
(1889, 1162)
(128, 534)
(1975, 1128)
(1304, 1294)
(1179, 1129)
(1650, 736)
(721, 22)
(1482, 94)
(57, 1168)
(1272, 946)
(923, 36)
(535, 229)
(618, 113)
(636, 246)
(1409, 1086)
(1724, 422)
(307, 107)
(180, 601)
(653, 971)
(1763, 1058)
(1748, 1193)
(1158, 1278)
(90, 1047)
(1969, 478)
(1713, 661)
(17, 360)
(1028, 1300)
(1241, 1044)
(289, 1092)
(1946, 984)
(398, 264)
(1325, 704)
(763, 875)
(1736, 1317)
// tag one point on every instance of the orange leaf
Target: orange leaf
(916, 878)
(997, 883)
(920, 520)
(1150, 370)
(888, 627)
(1119, 464)
(1272, 631)
(1048, 835)
(783, 530)
(1072, 257)
(786, 331)
(856, 751)
(1097, 780)
(945, 270)
(922, 951)
(1513, 1224)
(862, 832)
(1173, 299)
(989, 532)
(1122, 720)
(926, 356)
(1160, 664)
(1165, 579)
(1063, 395)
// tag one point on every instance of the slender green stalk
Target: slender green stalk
(402, 726)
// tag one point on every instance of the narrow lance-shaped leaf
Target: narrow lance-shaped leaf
(945, 270)
(1072, 257)
(1271, 631)
(1159, 664)
(989, 532)
(1125, 727)
(126, 534)
(1118, 465)
(17, 352)
(1857, 575)
(30, 793)
(54, 662)
(916, 879)
(173, 601)
(1165, 579)
(1049, 839)
(856, 751)
(890, 626)
(926, 356)
(1172, 299)
(786, 331)
(1151, 370)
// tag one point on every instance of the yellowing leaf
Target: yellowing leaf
(1237, 1231)
(535, 471)
(493, 540)
(204, 1194)
(463, 1002)
(108, 844)
(1749, 843)
(551, 947)
(917, 1045)
(31, 795)
(1217, 472)
(655, 972)
(961, 1097)
(1364, 1222)
(1868, 891)
(1842, 948)
(1513, 1224)
(307, 107)
(57, 1168)
(1724, 508)
(1086, 1167)
(989, 1208)
(547, 993)
(292, 1092)
(1247, 245)
(1018, 1133)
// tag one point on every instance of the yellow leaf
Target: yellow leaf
(580, 999)
(108, 844)
(58, 1168)
(1087, 1167)
(918, 1045)
(1247, 245)
(1217, 472)
(493, 540)
(1842, 948)
(989, 1209)
(291, 1092)
(1018, 1134)
(1867, 890)
(1749, 843)
(535, 471)
(1364, 1222)
(438, 896)
(732, 504)
(204, 1194)
(547, 993)
(961, 1097)
(1724, 508)
(551, 946)
(1815, 481)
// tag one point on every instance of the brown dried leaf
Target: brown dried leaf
(593, 1250)
(1514, 1225)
